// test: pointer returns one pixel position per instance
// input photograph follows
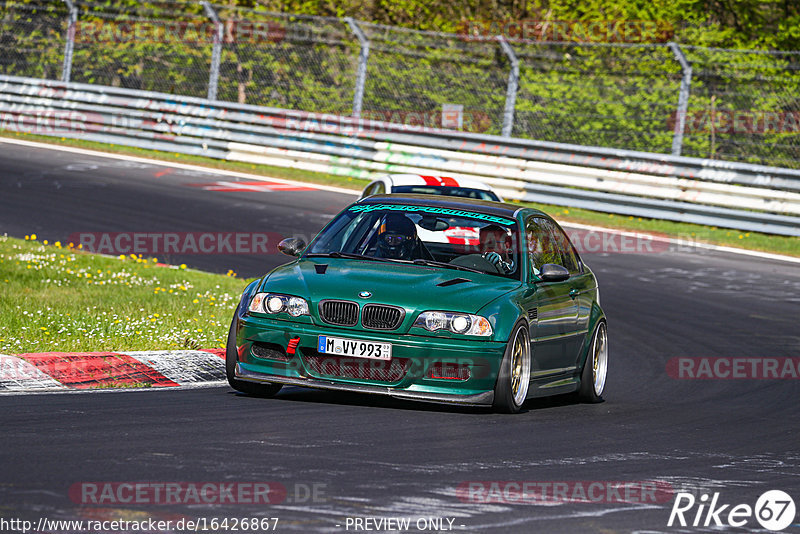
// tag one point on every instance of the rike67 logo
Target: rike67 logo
(774, 510)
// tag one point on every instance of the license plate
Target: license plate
(355, 348)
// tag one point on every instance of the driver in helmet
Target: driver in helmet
(496, 247)
(397, 237)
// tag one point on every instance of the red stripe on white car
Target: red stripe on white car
(460, 235)
(440, 180)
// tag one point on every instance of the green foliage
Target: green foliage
(582, 90)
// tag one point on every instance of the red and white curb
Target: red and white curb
(59, 371)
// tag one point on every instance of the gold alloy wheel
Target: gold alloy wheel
(600, 359)
(520, 366)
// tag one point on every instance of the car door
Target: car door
(582, 286)
(552, 311)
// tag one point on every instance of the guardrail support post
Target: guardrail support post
(69, 46)
(511, 90)
(683, 99)
(216, 52)
(361, 73)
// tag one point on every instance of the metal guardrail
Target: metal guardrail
(725, 194)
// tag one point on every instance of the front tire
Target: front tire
(595, 368)
(232, 356)
(514, 377)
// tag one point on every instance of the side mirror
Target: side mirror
(553, 273)
(292, 246)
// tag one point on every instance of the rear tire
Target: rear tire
(513, 380)
(232, 356)
(595, 368)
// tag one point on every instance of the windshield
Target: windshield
(463, 192)
(448, 238)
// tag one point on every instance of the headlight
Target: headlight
(256, 305)
(458, 323)
(274, 303)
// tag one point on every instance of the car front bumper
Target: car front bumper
(416, 370)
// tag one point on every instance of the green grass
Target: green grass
(56, 299)
(689, 232)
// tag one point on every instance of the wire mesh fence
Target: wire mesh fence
(425, 78)
(741, 106)
(745, 106)
(610, 95)
(287, 61)
(135, 47)
(32, 39)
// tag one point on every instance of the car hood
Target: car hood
(414, 287)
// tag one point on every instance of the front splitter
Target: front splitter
(481, 399)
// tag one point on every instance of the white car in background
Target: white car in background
(417, 184)
(431, 185)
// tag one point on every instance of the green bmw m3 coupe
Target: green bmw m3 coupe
(429, 298)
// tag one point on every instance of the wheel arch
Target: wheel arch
(596, 317)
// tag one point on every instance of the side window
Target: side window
(541, 246)
(564, 246)
(374, 188)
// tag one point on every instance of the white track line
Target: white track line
(680, 242)
(686, 243)
(187, 166)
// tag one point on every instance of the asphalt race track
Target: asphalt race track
(343, 456)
